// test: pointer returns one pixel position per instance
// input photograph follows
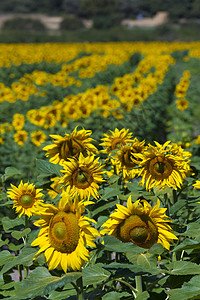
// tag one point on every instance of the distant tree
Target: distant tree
(71, 7)
(99, 7)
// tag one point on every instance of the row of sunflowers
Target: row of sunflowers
(108, 212)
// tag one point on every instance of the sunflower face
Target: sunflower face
(65, 233)
(163, 165)
(70, 146)
(160, 167)
(139, 230)
(116, 139)
(140, 224)
(83, 176)
(26, 198)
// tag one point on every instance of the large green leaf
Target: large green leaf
(126, 269)
(19, 234)
(183, 268)
(187, 244)
(40, 282)
(193, 230)
(48, 168)
(5, 257)
(189, 290)
(10, 172)
(25, 258)
(70, 291)
(110, 193)
(146, 261)
(9, 224)
(95, 274)
(113, 244)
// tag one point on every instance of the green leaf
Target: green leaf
(40, 282)
(113, 244)
(48, 168)
(147, 261)
(183, 268)
(115, 296)
(193, 230)
(19, 234)
(104, 207)
(9, 224)
(157, 249)
(110, 193)
(189, 290)
(25, 258)
(94, 274)
(54, 295)
(10, 172)
(5, 257)
(123, 269)
(187, 244)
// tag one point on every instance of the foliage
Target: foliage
(71, 23)
(23, 24)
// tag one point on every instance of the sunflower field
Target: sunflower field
(100, 171)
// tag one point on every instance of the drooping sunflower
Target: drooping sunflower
(115, 139)
(26, 198)
(163, 165)
(182, 104)
(125, 161)
(83, 176)
(141, 224)
(70, 146)
(20, 137)
(65, 233)
(38, 137)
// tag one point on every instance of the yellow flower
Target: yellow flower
(125, 161)
(83, 176)
(65, 233)
(163, 165)
(55, 187)
(196, 185)
(38, 137)
(70, 146)
(26, 198)
(20, 137)
(197, 140)
(140, 224)
(18, 121)
(115, 139)
(182, 104)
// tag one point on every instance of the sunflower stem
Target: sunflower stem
(80, 295)
(138, 281)
(20, 272)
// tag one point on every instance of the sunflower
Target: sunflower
(20, 137)
(196, 185)
(26, 198)
(163, 165)
(182, 104)
(125, 161)
(18, 121)
(83, 176)
(38, 137)
(65, 233)
(140, 224)
(55, 187)
(70, 146)
(115, 139)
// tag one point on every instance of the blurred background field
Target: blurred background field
(99, 20)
